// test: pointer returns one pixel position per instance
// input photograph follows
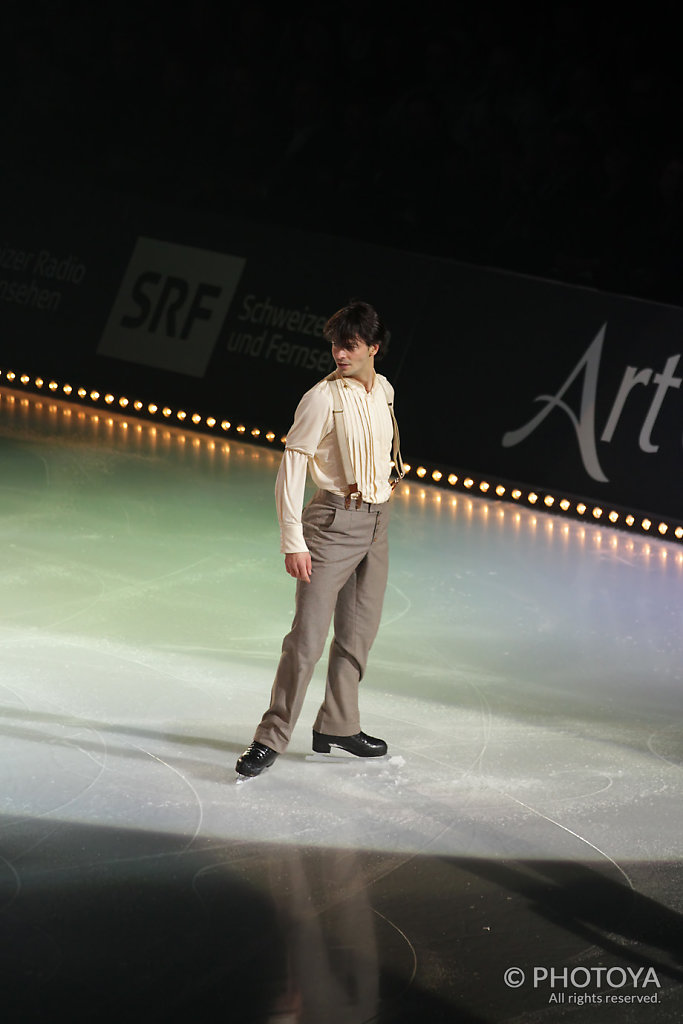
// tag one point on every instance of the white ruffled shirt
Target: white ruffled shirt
(312, 445)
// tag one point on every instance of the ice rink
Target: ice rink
(516, 855)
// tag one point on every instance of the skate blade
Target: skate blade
(343, 757)
(340, 758)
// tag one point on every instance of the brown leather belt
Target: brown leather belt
(341, 500)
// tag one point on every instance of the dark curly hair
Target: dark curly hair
(357, 320)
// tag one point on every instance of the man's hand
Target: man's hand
(298, 565)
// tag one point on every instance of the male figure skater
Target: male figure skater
(345, 434)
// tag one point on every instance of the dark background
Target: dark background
(542, 139)
(503, 182)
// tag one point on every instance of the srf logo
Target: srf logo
(171, 306)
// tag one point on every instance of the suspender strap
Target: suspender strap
(398, 472)
(343, 442)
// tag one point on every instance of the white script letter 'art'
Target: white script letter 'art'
(584, 424)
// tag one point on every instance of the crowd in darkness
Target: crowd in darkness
(544, 141)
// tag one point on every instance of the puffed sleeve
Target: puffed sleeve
(312, 421)
(289, 498)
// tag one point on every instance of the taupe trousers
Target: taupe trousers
(350, 560)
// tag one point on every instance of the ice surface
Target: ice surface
(527, 677)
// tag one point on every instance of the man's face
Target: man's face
(356, 360)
